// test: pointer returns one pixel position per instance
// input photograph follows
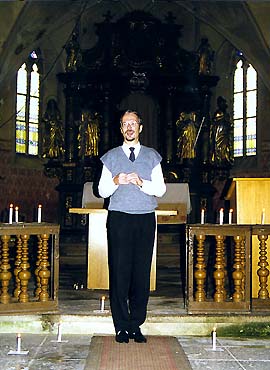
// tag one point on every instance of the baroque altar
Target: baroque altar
(138, 62)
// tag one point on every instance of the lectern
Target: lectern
(173, 208)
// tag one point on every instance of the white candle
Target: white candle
(10, 213)
(202, 216)
(214, 338)
(230, 216)
(221, 216)
(17, 214)
(59, 332)
(102, 303)
(263, 216)
(39, 213)
(19, 342)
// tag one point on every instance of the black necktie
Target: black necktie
(132, 155)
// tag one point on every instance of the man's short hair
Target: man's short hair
(133, 112)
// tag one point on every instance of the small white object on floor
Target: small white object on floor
(19, 345)
(59, 335)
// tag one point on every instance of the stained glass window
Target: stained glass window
(27, 106)
(245, 109)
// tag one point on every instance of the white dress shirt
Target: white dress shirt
(156, 186)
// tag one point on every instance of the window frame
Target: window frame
(29, 62)
(244, 117)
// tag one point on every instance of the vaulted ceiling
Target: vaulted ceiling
(244, 23)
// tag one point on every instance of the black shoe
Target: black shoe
(138, 337)
(122, 336)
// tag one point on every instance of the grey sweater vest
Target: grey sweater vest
(129, 198)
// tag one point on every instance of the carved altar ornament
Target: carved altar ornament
(186, 130)
(221, 135)
(171, 177)
(206, 57)
(53, 139)
(89, 134)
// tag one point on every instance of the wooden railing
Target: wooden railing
(219, 268)
(29, 267)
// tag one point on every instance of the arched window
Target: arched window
(27, 106)
(244, 109)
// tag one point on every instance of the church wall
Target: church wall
(263, 129)
(7, 109)
(223, 69)
(26, 187)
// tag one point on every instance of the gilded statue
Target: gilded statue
(187, 130)
(74, 55)
(53, 138)
(221, 135)
(206, 57)
(89, 134)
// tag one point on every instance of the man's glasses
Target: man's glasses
(130, 123)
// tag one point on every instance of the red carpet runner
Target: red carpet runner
(159, 353)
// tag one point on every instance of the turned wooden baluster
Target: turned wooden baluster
(200, 271)
(5, 274)
(0, 265)
(237, 274)
(44, 272)
(24, 274)
(39, 258)
(219, 273)
(243, 264)
(263, 271)
(17, 268)
(224, 263)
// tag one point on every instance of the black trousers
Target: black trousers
(130, 248)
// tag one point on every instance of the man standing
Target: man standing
(132, 178)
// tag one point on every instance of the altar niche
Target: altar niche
(137, 63)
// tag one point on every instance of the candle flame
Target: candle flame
(39, 206)
(103, 298)
(16, 208)
(11, 205)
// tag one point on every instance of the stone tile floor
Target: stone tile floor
(46, 354)
(230, 354)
